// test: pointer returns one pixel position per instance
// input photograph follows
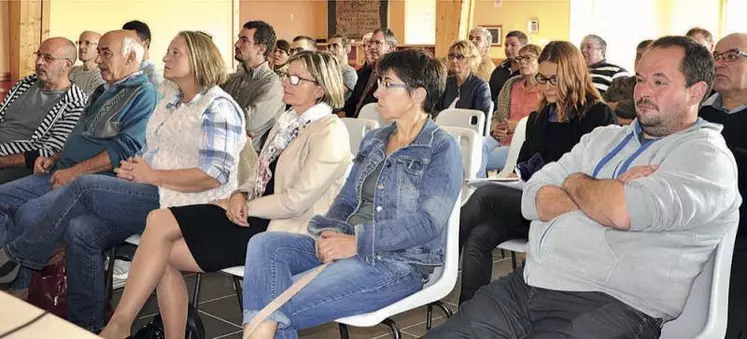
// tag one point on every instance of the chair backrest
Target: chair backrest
(470, 143)
(489, 120)
(465, 118)
(371, 112)
(358, 128)
(705, 312)
(513, 151)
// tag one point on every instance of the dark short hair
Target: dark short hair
(343, 39)
(141, 29)
(518, 35)
(388, 36)
(600, 42)
(702, 31)
(644, 44)
(417, 69)
(620, 89)
(283, 45)
(264, 34)
(697, 65)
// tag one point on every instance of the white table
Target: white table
(16, 312)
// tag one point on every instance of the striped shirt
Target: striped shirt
(87, 80)
(603, 73)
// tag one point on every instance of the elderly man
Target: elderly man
(302, 43)
(728, 107)
(39, 112)
(255, 87)
(382, 42)
(339, 45)
(702, 36)
(111, 129)
(594, 50)
(143, 33)
(87, 76)
(623, 223)
(509, 68)
(482, 38)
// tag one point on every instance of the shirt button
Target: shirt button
(381, 187)
(379, 209)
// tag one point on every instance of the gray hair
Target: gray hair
(485, 33)
(132, 45)
(600, 42)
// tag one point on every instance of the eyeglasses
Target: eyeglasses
(553, 80)
(729, 56)
(525, 58)
(295, 80)
(459, 57)
(47, 57)
(388, 84)
(86, 43)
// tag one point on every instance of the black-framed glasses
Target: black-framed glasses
(525, 58)
(388, 84)
(295, 80)
(729, 56)
(48, 57)
(553, 80)
(457, 56)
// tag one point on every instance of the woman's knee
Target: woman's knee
(161, 224)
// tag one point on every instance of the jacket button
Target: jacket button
(381, 186)
(379, 209)
(388, 164)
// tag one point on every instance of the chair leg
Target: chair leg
(513, 259)
(239, 292)
(393, 325)
(344, 331)
(429, 313)
(196, 292)
(503, 253)
(109, 273)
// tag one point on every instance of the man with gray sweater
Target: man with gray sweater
(624, 222)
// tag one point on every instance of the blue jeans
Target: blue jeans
(493, 156)
(92, 214)
(274, 260)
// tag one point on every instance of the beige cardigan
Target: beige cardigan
(308, 176)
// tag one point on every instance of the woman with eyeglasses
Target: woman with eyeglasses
(464, 89)
(385, 232)
(299, 171)
(570, 107)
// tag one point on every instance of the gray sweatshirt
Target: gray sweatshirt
(678, 216)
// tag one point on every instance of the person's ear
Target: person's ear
(697, 93)
(262, 48)
(419, 94)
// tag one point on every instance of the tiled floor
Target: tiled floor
(219, 310)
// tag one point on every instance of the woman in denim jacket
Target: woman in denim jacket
(386, 230)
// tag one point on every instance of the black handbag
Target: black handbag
(154, 329)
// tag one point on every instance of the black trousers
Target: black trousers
(491, 216)
(509, 308)
(737, 328)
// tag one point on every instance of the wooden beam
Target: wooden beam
(27, 30)
(448, 17)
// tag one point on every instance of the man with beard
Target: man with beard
(39, 112)
(255, 87)
(87, 76)
(624, 223)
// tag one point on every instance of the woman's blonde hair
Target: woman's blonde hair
(207, 62)
(576, 91)
(470, 52)
(325, 69)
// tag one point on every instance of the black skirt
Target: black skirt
(214, 241)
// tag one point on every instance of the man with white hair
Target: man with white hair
(594, 50)
(111, 129)
(482, 39)
(87, 76)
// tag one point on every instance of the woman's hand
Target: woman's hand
(237, 211)
(137, 170)
(333, 246)
(500, 131)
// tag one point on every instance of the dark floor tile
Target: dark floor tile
(216, 327)
(418, 330)
(225, 308)
(234, 335)
(215, 285)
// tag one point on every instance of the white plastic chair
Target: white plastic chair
(513, 150)
(470, 145)
(358, 128)
(465, 118)
(705, 312)
(371, 112)
(515, 246)
(489, 120)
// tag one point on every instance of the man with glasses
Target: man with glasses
(87, 76)
(302, 43)
(482, 39)
(509, 68)
(339, 45)
(382, 42)
(39, 112)
(594, 50)
(255, 86)
(728, 107)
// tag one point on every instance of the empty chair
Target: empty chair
(465, 118)
(514, 148)
(371, 112)
(358, 128)
(470, 143)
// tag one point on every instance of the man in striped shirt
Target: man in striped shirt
(594, 50)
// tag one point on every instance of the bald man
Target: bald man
(729, 108)
(87, 76)
(40, 110)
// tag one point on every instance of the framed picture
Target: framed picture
(497, 32)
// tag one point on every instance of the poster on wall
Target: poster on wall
(354, 18)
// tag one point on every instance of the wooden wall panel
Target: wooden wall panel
(28, 27)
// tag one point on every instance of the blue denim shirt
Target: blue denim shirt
(415, 194)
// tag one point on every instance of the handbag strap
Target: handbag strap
(280, 300)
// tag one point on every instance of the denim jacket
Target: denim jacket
(415, 194)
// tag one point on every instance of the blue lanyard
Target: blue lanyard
(616, 150)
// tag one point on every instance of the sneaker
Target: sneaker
(120, 272)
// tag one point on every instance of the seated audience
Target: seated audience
(509, 68)
(482, 39)
(519, 97)
(385, 232)
(96, 212)
(280, 56)
(255, 86)
(640, 49)
(302, 43)
(702, 36)
(300, 172)
(111, 129)
(382, 42)
(464, 89)
(661, 189)
(368, 57)
(143, 33)
(339, 46)
(570, 107)
(728, 107)
(619, 97)
(87, 76)
(594, 50)
(40, 110)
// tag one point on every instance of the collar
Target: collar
(600, 63)
(716, 102)
(121, 81)
(256, 72)
(314, 113)
(424, 138)
(176, 99)
(145, 64)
